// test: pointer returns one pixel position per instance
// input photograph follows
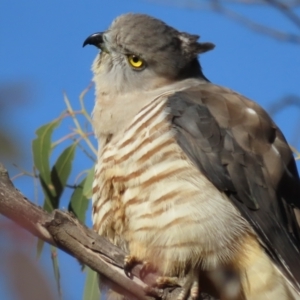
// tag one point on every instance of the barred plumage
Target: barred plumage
(146, 191)
(148, 198)
(191, 176)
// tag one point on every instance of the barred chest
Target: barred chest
(152, 201)
(123, 174)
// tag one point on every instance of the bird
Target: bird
(191, 177)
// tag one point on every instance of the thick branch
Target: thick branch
(16, 207)
(65, 231)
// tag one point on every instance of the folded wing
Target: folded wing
(235, 143)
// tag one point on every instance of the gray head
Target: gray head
(141, 52)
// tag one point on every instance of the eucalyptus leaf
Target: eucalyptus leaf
(79, 203)
(60, 173)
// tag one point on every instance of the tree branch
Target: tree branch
(217, 6)
(285, 10)
(64, 231)
(223, 8)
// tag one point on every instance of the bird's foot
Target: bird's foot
(190, 285)
(156, 289)
(164, 281)
(131, 261)
(190, 288)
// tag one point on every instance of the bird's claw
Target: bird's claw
(131, 261)
(191, 288)
(164, 281)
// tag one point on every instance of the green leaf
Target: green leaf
(88, 185)
(56, 271)
(41, 149)
(59, 175)
(79, 203)
(91, 288)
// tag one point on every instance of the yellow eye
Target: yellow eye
(135, 61)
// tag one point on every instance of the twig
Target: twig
(81, 100)
(277, 34)
(78, 126)
(22, 173)
(90, 156)
(220, 7)
(285, 10)
(64, 138)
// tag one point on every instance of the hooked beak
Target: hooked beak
(95, 39)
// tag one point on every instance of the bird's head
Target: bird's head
(141, 52)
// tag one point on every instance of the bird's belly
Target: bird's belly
(180, 223)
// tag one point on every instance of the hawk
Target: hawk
(191, 177)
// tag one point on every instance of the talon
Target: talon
(190, 288)
(195, 291)
(183, 294)
(129, 263)
(163, 282)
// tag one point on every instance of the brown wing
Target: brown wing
(235, 143)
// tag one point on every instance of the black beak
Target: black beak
(95, 39)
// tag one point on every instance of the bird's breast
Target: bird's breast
(150, 198)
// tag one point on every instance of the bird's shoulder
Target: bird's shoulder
(217, 125)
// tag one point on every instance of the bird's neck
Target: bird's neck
(113, 112)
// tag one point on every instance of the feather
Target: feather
(237, 146)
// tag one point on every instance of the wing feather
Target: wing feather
(238, 147)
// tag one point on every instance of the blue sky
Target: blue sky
(41, 47)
